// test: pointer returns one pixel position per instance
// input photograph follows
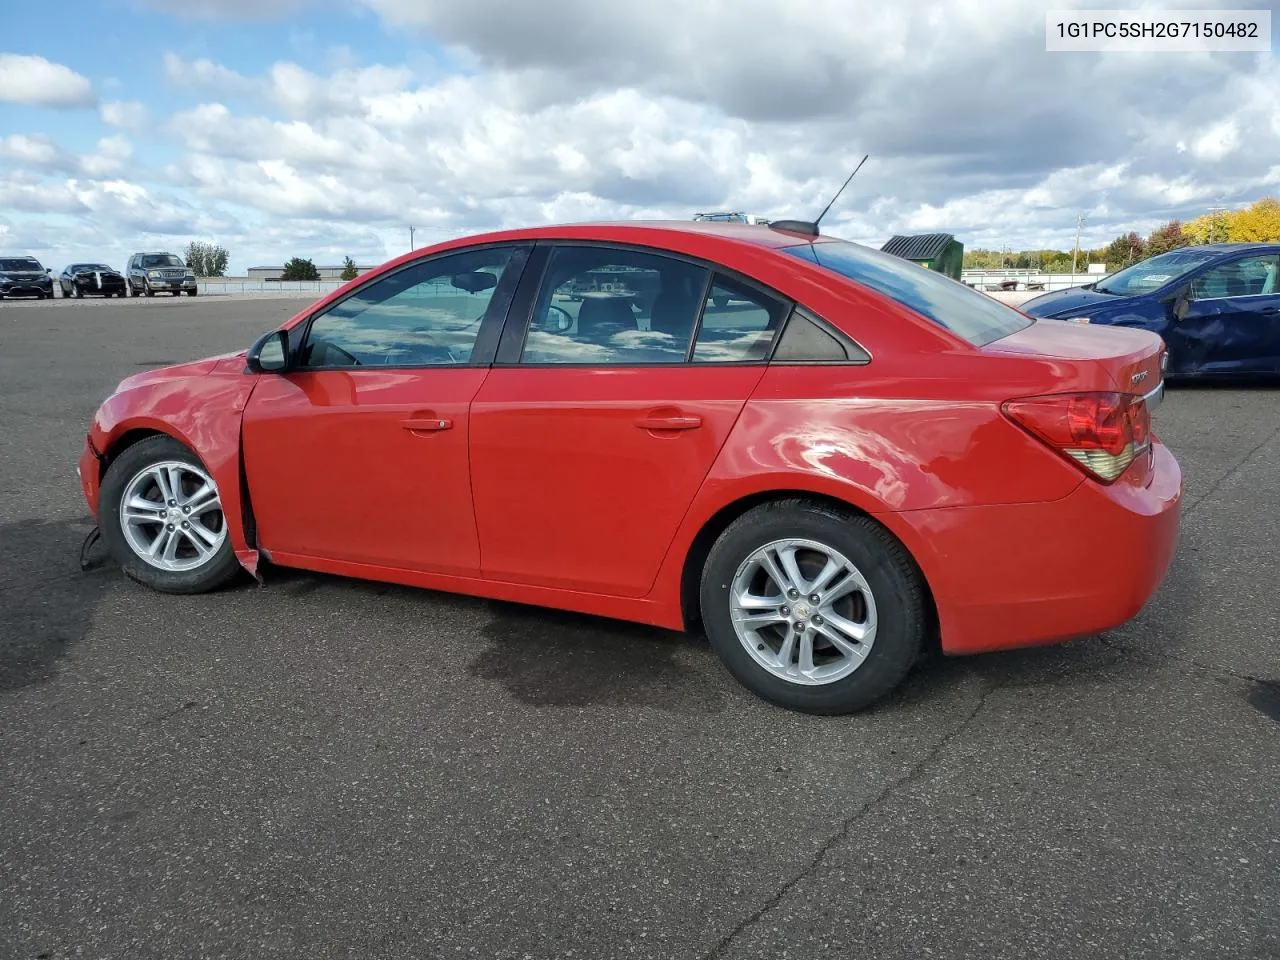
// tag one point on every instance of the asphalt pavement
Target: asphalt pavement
(322, 768)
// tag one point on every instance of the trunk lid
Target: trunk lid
(1132, 360)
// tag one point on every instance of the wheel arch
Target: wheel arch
(695, 558)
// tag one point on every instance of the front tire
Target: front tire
(192, 293)
(160, 516)
(813, 608)
(146, 288)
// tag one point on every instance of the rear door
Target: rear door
(1232, 322)
(359, 454)
(617, 382)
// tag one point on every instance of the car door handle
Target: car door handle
(426, 424)
(669, 422)
(1270, 310)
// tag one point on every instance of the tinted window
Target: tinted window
(613, 306)
(1251, 277)
(1154, 273)
(965, 312)
(159, 260)
(738, 323)
(429, 313)
(20, 263)
(805, 339)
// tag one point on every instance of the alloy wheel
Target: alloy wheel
(171, 516)
(803, 611)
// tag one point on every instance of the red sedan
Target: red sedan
(827, 457)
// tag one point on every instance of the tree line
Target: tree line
(210, 260)
(1256, 223)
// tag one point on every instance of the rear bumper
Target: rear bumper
(1018, 575)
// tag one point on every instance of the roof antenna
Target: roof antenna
(811, 228)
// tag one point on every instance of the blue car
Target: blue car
(1216, 306)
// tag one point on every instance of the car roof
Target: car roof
(650, 231)
(1231, 247)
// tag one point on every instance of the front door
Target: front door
(1232, 322)
(360, 453)
(588, 448)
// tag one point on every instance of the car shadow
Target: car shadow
(554, 658)
(47, 602)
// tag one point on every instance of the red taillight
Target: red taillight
(1101, 432)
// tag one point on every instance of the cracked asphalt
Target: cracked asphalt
(330, 769)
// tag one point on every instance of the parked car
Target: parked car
(1216, 306)
(149, 273)
(854, 457)
(95, 279)
(24, 277)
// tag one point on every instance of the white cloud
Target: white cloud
(125, 114)
(575, 110)
(204, 73)
(37, 82)
(35, 150)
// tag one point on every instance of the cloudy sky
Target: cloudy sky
(287, 128)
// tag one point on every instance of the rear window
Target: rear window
(964, 311)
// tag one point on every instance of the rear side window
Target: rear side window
(738, 323)
(807, 340)
(965, 312)
(612, 306)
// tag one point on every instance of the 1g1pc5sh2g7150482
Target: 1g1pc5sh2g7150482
(1158, 31)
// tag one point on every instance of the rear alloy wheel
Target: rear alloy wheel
(812, 608)
(161, 517)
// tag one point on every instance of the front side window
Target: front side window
(609, 305)
(1250, 277)
(426, 314)
(965, 312)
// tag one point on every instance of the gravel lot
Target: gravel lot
(324, 768)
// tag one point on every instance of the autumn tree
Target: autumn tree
(1123, 250)
(1167, 237)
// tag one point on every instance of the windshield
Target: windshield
(948, 303)
(1154, 273)
(89, 266)
(161, 260)
(20, 263)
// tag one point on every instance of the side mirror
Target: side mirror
(270, 354)
(1182, 303)
(49, 271)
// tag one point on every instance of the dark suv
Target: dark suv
(24, 277)
(148, 273)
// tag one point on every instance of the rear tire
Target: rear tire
(192, 293)
(187, 568)
(876, 591)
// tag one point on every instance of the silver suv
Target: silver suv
(149, 273)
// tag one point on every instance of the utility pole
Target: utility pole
(411, 246)
(1075, 252)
